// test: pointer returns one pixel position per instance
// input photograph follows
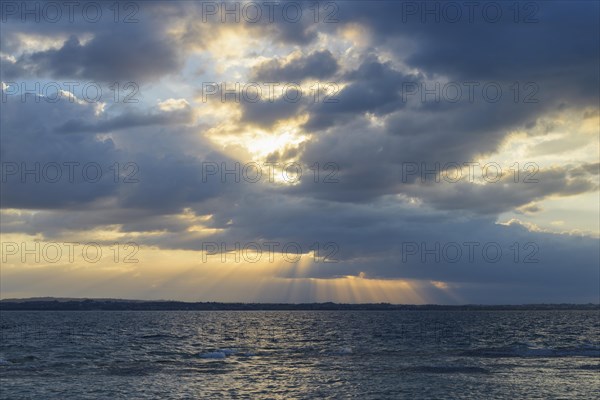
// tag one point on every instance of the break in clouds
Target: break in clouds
(411, 145)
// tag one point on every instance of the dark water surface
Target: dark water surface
(282, 355)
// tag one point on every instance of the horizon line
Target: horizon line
(67, 299)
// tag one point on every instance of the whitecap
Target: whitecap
(344, 350)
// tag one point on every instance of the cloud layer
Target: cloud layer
(390, 138)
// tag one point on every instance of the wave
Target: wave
(344, 351)
(528, 351)
(590, 367)
(218, 354)
(448, 370)
(213, 354)
(163, 336)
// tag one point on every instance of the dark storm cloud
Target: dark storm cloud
(107, 58)
(558, 54)
(316, 65)
(117, 51)
(53, 224)
(369, 157)
(32, 139)
(371, 161)
(556, 49)
(374, 87)
(28, 138)
(506, 194)
(260, 104)
(128, 120)
(550, 39)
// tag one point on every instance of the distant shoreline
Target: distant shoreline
(50, 304)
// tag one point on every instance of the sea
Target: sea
(300, 354)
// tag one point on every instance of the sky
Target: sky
(346, 151)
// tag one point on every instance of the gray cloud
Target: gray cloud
(35, 134)
(369, 133)
(316, 65)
